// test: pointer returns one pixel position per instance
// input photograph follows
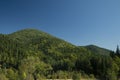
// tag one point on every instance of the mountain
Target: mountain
(32, 54)
(28, 34)
(40, 40)
(98, 50)
(33, 35)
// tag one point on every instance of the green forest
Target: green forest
(32, 54)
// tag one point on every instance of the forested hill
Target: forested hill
(28, 35)
(31, 54)
(98, 50)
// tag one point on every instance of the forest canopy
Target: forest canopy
(31, 54)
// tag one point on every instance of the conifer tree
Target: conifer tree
(117, 51)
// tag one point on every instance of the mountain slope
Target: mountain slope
(27, 34)
(37, 37)
(98, 50)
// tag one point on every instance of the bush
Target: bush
(3, 77)
(76, 76)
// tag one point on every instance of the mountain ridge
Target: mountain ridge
(32, 33)
(37, 33)
(97, 49)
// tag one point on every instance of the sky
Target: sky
(80, 22)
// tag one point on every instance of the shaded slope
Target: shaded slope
(98, 50)
(10, 51)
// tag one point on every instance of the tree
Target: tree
(3, 77)
(117, 51)
(76, 76)
(32, 67)
(12, 75)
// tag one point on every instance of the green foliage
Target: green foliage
(98, 50)
(76, 76)
(35, 55)
(3, 77)
(11, 75)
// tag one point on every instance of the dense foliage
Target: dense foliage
(35, 55)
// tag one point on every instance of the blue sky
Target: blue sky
(81, 22)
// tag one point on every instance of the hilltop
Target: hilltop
(98, 50)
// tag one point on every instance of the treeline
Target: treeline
(47, 57)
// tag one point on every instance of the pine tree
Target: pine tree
(117, 51)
